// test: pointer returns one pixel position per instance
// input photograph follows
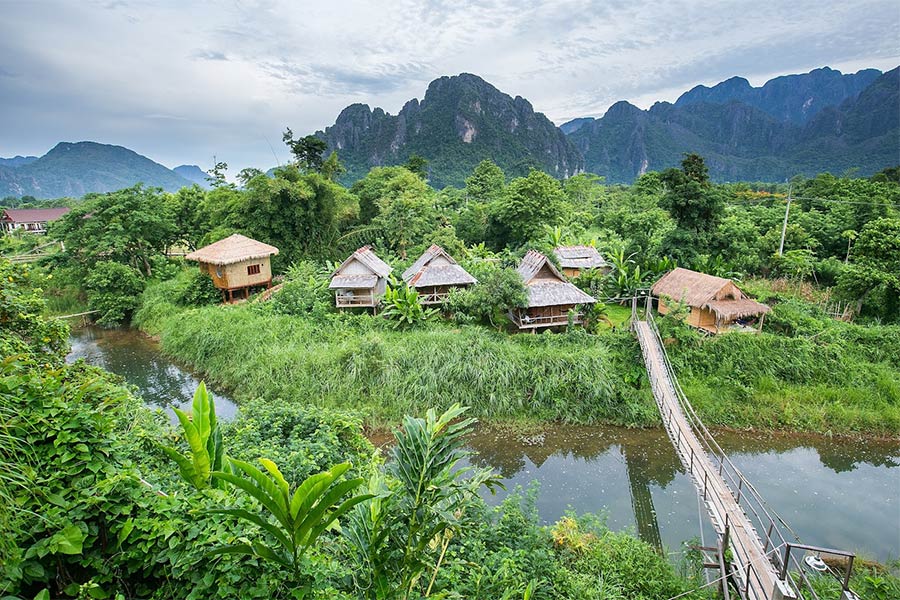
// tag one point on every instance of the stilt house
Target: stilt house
(574, 260)
(716, 304)
(434, 274)
(236, 264)
(550, 295)
(360, 280)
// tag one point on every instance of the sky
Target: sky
(185, 81)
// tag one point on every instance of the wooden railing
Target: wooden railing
(435, 298)
(762, 539)
(354, 300)
(528, 322)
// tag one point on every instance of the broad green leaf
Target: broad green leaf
(69, 540)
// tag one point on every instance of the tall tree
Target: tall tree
(873, 276)
(418, 165)
(301, 214)
(529, 204)
(383, 183)
(485, 184)
(307, 150)
(131, 226)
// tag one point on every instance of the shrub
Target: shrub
(113, 289)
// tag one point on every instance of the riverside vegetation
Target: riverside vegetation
(250, 507)
(118, 518)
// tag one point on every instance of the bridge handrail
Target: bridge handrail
(746, 496)
(736, 476)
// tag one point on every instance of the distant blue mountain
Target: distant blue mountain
(790, 98)
(17, 161)
(74, 169)
(797, 124)
(194, 174)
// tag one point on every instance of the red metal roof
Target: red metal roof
(33, 215)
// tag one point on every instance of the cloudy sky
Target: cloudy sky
(181, 81)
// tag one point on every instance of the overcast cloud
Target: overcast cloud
(182, 81)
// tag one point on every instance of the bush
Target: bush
(498, 290)
(300, 439)
(113, 289)
(305, 291)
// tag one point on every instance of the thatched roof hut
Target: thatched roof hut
(233, 249)
(360, 279)
(550, 295)
(715, 302)
(434, 274)
(236, 263)
(576, 259)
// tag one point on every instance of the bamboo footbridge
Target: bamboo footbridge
(754, 545)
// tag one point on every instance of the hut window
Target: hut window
(219, 271)
(253, 270)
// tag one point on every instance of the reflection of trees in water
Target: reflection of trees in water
(649, 459)
(838, 454)
(139, 362)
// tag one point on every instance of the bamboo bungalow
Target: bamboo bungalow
(434, 274)
(236, 264)
(32, 220)
(550, 295)
(576, 259)
(360, 280)
(715, 303)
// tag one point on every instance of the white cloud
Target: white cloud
(180, 82)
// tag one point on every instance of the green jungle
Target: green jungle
(102, 497)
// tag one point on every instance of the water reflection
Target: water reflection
(836, 493)
(137, 359)
(833, 492)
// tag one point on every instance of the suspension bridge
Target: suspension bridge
(757, 554)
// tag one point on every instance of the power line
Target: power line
(794, 198)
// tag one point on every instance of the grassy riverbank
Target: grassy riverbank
(358, 363)
(845, 380)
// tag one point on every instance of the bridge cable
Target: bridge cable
(718, 579)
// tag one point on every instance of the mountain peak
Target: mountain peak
(790, 98)
(76, 168)
(460, 120)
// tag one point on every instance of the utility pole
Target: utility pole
(784, 226)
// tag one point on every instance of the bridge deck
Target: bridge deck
(754, 573)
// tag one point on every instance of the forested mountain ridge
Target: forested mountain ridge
(74, 169)
(460, 121)
(744, 142)
(790, 98)
(795, 124)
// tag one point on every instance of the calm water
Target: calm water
(138, 360)
(841, 494)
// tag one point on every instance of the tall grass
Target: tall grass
(358, 364)
(842, 379)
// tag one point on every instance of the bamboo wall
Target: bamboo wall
(235, 276)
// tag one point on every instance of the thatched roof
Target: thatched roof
(353, 282)
(554, 293)
(233, 249)
(579, 257)
(436, 267)
(33, 215)
(534, 263)
(707, 291)
(690, 287)
(546, 286)
(367, 258)
(729, 310)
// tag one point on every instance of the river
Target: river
(835, 493)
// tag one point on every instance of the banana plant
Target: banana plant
(293, 519)
(201, 430)
(402, 306)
